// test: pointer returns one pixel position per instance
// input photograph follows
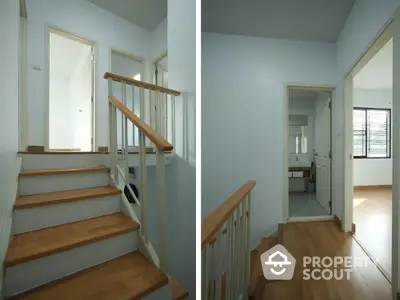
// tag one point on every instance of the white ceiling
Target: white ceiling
(317, 20)
(62, 65)
(144, 13)
(378, 72)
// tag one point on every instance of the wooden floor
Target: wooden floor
(373, 219)
(325, 239)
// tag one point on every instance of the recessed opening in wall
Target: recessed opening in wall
(127, 65)
(71, 92)
(308, 160)
(372, 104)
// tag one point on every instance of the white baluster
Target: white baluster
(173, 120)
(143, 186)
(126, 144)
(160, 194)
(230, 256)
(219, 263)
(115, 143)
(248, 242)
(237, 254)
(205, 261)
(133, 110)
(142, 110)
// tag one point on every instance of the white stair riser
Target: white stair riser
(162, 293)
(35, 218)
(30, 185)
(37, 272)
(62, 161)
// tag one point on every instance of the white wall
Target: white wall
(159, 37)
(244, 140)
(9, 163)
(372, 171)
(82, 18)
(182, 77)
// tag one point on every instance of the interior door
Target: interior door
(323, 150)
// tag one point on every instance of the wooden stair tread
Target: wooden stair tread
(64, 196)
(35, 244)
(178, 291)
(130, 276)
(43, 172)
(255, 264)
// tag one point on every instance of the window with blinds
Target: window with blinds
(371, 133)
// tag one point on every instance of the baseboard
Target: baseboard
(310, 219)
(339, 223)
(371, 187)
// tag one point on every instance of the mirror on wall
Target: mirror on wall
(298, 134)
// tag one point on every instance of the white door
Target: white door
(323, 150)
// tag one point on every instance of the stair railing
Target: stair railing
(153, 104)
(225, 244)
(120, 117)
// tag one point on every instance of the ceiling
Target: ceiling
(378, 72)
(315, 20)
(147, 14)
(61, 65)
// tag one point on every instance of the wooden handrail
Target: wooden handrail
(142, 84)
(157, 139)
(214, 221)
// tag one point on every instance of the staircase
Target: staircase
(76, 236)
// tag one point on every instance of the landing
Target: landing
(324, 239)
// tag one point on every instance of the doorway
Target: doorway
(308, 161)
(369, 109)
(71, 92)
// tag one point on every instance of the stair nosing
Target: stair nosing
(47, 172)
(7, 263)
(19, 206)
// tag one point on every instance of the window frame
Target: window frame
(366, 109)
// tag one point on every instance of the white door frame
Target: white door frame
(347, 219)
(155, 62)
(54, 29)
(23, 81)
(304, 87)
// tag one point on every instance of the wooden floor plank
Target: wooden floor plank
(35, 244)
(373, 218)
(178, 291)
(131, 276)
(325, 239)
(45, 172)
(64, 196)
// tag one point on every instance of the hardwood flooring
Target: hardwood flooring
(373, 219)
(324, 239)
